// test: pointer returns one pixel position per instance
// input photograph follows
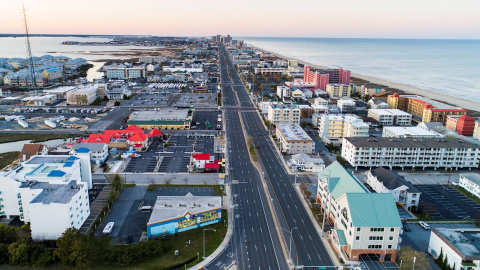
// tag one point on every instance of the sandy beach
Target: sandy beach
(405, 88)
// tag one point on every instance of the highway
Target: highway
(254, 214)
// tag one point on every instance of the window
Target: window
(375, 238)
(377, 229)
(389, 246)
(358, 229)
(357, 237)
(374, 246)
(390, 238)
(392, 229)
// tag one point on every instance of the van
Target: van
(146, 209)
(424, 225)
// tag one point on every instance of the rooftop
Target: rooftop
(388, 112)
(171, 207)
(282, 106)
(413, 131)
(53, 193)
(373, 210)
(162, 115)
(97, 147)
(341, 181)
(475, 178)
(391, 180)
(466, 242)
(293, 133)
(410, 142)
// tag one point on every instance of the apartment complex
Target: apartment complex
(284, 114)
(423, 109)
(321, 77)
(365, 223)
(122, 72)
(382, 180)
(391, 117)
(48, 192)
(463, 125)
(283, 91)
(294, 140)
(333, 127)
(409, 132)
(346, 105)
(337, 90)
(471, 183)
(98, 151)
(448, 153)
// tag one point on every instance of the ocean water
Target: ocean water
(450, 67)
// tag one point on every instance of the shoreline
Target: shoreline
(471, 106)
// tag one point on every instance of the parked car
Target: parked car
(406, 227)
(424, 225)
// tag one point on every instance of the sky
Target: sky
(449, 19)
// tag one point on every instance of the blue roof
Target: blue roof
(71, 158)
(56, 173)
(68, 164)
(83, 150)
(373, 210)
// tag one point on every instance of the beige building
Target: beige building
(333, 127)
(336, 90)
(294, 140)
(82, 96)
(284, 114)
(476, 130)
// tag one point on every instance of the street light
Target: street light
(204, 240)
(290, 249)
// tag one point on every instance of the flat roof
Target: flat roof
(162, 115)
(410, 142)
(466, 242)
(172, 207)
(388, 112)
(436, 104)
(414, 131)
(53, 193)
(475, 178)
(293, 132)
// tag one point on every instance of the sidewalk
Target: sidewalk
(227, 204)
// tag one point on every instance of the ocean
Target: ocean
(451, 67)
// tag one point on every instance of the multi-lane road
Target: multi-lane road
(255, 243)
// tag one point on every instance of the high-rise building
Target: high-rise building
(322, 77)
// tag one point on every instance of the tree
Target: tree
(19, 253)
(303, 124)
(407, 254)
(82, 251)
(66, 244)
(3, 253)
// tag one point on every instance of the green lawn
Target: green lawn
(468, 194)
(35, 137)
(7, 158)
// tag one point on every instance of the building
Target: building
(118, 93)
(82, 96)
(382, 180)
(48, 192)
(74, 63)
(321, 101)
(448, 153)
(461, 247)
(305, 111)
(124, 72)
(293, 139)
(284, 114)
(321, 77)
(205, 162)
(391, 117)
(369, 89)
(39, 100)
(364, 223)
(409, 132)
(333, 127)
(423, 109)
(471, 183)
(346, 105)
(378, 104)
(270, 71)
(174, 119)
(32, 149)
(305, 163)
(98, 151)
(336, 90)
(263, 106)
(476, 130)
(463, 125)
(175, 214)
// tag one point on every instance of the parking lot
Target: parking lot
(185, 100)
(202, 116)
(445, 202)
(130, 221)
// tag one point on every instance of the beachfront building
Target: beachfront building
(463, 125)
(175, 214)
(333, 127)
(173, 119)
(471, 183)
(364, 223)
(423, 109)
(460, 247)
(448, 153)
(337, 90)
(306, 163)
(391, 117)
(368, 89)
(409, 132)
(321, 77)
(48, 192)
(283, 114)
(382, 180)
(293, 139)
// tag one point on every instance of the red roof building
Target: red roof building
(155, 133)
(97, 138)
(200, 156)
(134, 128)
(463, 125)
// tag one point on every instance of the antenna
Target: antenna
(29, 52)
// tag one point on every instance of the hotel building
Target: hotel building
(284, 114)
(391, 117)
(337, 90)
(321, 77)
(294, 140)
(333, 127)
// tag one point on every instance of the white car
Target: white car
(424, 225)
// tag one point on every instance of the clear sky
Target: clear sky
(264, 18)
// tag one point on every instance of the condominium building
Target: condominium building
(294, 140)
(423, 109)
(98, 151)
(471, 183)
(346, 105)
(448, 153)
(369, 89)
(336, 90)
(378, 104)
(283, 91)
(48, 192)
(382, 180)
(321, 77)
(409, 132)
(463, 125)
(391, 117)
(364, 222)
(333, 127)
(284, 114)
(122, 72)
(476, 130)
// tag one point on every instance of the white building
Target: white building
(38, 100)
(378, 104)
(304, 162)
(346, 105)
(391, 117)
(460, 246)
(319, 109)
(49, 192)
(283, 91)
(118, 93)
(321, 101)
(333, 127)
(293, 139)
(135, 73)
(336, 90)
(98, 151)
(471, 183)
(82, 95)
(115, 73)
(409, 132)
(364, 223)
(74, 63)
(284, 114)
(448, 153)
(263, 106)
(382, 180)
